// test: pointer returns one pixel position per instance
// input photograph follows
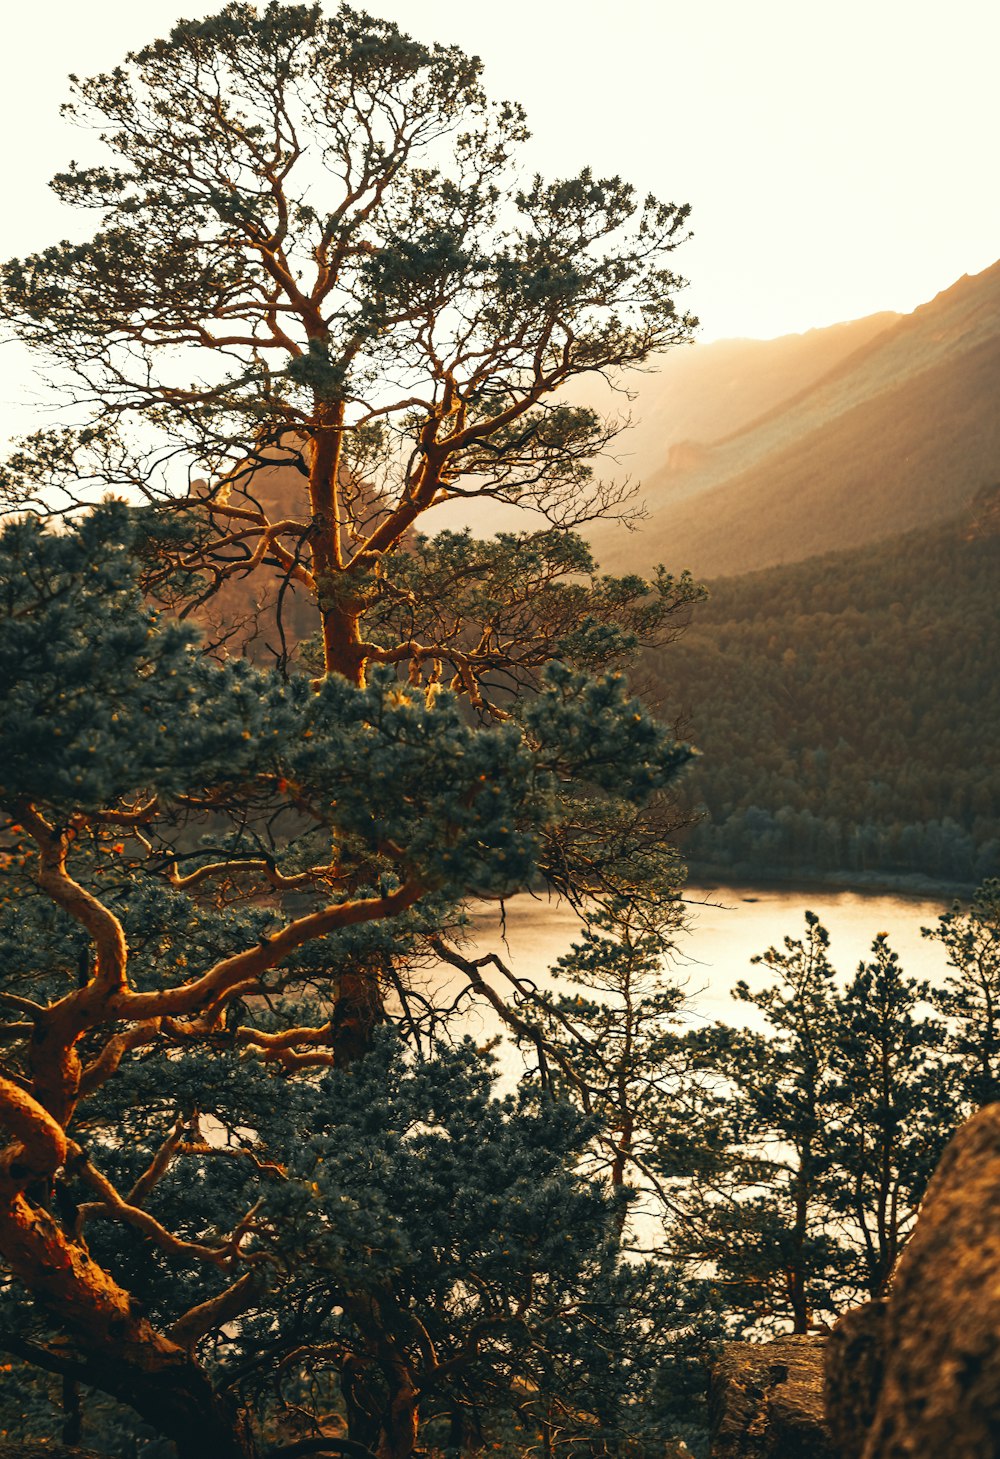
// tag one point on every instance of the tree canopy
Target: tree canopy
(314, 250)
(169, 1013)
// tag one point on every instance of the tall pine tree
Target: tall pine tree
(318, 304)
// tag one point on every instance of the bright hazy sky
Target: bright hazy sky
(840, 155)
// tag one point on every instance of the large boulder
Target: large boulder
(928, 1384)
(767, 1401)
(855, 1361)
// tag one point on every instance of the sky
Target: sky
(840, 159)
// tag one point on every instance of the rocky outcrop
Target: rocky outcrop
(767, 1401)
(985, 520)
(921, 1379)
(855, 1360)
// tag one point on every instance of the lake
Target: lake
(728, 925)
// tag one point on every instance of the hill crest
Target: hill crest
(900, 432)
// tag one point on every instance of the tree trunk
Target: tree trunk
(339, 609)
(798, 1301)
(383, 1407)
(358, 1012)
(200, 1423)
(401, 1423)
(114, 1348)
(72, 1429)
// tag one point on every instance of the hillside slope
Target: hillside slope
(847, 709)
(705, 393)
(689, 399)
(901, 433)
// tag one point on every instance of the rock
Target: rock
(855, 1357)
(767, 1401)
(940, 1392)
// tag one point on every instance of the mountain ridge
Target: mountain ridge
(688, 401)
(898, 433)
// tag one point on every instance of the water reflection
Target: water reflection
(728, 925)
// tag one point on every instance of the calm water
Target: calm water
(728, 925)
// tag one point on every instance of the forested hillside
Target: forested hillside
(847, 708)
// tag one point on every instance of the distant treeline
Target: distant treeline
(847, 707)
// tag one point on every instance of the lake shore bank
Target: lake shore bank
(864, 883)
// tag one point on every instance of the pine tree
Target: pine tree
(316, 307)
(761, 1218)
(828, 1125)
(970, 998)
(169, 1021)
(895, 1112)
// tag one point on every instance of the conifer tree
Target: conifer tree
(894, 1112)
(168, 1020)
(314, 252)
(828, 1125)
(317, 305)
(970, 997)
(763, 1221)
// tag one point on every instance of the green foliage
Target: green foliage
(391, 1227)
(404, 1233)
(319, 301)
(302, 208)
(105, 700)
(505, 606)
(85, 713)
(893, 1111)
(767, 1235)
(459, 1218)
(613, 1037)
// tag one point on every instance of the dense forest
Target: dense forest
(847, 709)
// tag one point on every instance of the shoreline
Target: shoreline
(905, 884)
